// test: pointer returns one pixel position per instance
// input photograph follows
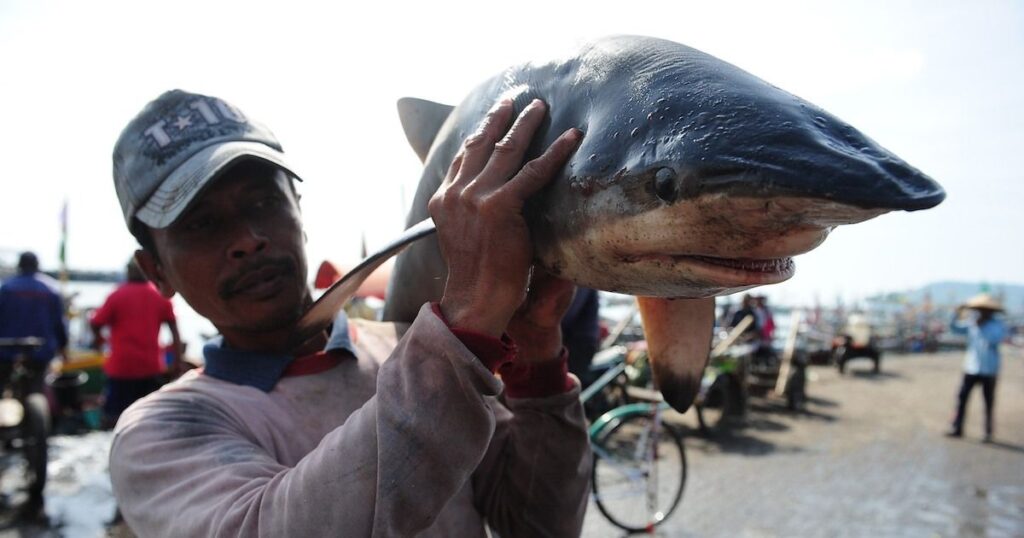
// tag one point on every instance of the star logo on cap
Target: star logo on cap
(183, 122)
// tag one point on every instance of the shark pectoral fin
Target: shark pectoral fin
(421, 120)
(678, 333)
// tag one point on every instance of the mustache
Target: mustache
(233, 284)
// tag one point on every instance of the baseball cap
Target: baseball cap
(176, 146)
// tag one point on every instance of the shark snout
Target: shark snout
(811, 154)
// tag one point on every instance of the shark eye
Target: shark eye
(665, 185)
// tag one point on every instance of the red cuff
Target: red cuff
(522, 380)
(493, 352)
(537, 380)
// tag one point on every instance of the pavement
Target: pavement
(866, 458)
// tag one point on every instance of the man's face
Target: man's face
(236, 254)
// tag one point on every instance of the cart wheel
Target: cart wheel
(796, 394)
(720, 405)
(840, 358)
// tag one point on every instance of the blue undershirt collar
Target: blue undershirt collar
(262, 370)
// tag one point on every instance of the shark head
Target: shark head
(696, 178)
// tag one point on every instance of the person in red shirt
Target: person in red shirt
(134, 312)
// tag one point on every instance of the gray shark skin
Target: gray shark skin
(694, 179)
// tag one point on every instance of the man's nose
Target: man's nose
(249, 240)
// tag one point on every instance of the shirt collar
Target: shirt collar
(262, 370)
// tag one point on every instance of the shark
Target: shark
(694, 179)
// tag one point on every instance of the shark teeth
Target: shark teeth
(774, 265)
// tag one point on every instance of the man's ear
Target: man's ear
(154, 272)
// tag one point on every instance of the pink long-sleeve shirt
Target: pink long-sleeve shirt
(406, 440)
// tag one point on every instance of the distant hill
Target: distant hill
(952, 293)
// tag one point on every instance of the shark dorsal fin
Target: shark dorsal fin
(421, 120)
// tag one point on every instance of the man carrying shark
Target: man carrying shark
(346, 434)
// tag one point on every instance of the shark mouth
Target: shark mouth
(723, 271)
(773, 266)
(783, 265)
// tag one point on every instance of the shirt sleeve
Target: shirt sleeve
(994, 332)
(60, 329)
(182, 466)
(101, 316)
(535, 478)
(168, 310)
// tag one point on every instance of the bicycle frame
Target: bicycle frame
(602, 382)
(635, 467)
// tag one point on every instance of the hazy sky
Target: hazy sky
(938, 83)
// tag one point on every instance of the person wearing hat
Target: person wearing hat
(355, 432)
(984, 331)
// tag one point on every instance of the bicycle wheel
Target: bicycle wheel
(639, 472)
(35, 427)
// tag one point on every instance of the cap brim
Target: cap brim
(992, 307)
(176, 192)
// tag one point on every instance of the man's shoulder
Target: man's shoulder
(47, 281)
(140, 288)
(192, 399)
(138, 291)
(36, 282)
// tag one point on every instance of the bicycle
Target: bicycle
(25, 422)
(639, 469)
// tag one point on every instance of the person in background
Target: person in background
(31, 306)
(134, 312)
(857, 340)
(746, 309)
(765, 320)
(984, 331)
(581, 333)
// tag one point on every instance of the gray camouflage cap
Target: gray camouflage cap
(175, 146)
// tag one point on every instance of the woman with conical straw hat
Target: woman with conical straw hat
(984, 331)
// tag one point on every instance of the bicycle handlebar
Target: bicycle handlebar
(26, 343)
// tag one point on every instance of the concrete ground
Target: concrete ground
(867, 457)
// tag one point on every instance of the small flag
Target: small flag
(64, 236)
